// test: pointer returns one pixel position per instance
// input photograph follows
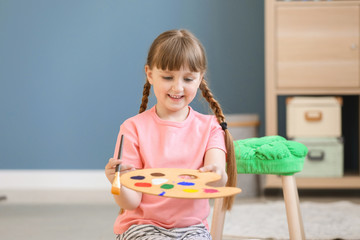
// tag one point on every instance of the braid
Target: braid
(230, 156)
(145, 98)
(214, 105)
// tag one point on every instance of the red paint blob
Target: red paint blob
(142, 184)
(209, 190)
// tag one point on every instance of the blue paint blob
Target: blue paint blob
(186, 183)
(138, 177)
(162, 194)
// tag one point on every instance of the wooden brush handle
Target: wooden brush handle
(117, 169)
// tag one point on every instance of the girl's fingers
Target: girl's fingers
(113, 162)
(123, 167)
(127, 167)
(208, 168)
(211, 168)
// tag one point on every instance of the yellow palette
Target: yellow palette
(176, 183)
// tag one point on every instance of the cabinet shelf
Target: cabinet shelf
(311, 48)
(346, 182)
(318, 91)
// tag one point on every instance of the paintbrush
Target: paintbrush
(115, 189)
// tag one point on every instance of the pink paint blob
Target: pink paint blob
(142, 184)
(209, 190)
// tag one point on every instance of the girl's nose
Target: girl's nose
(177, 85)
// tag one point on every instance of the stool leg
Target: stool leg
(291, 198)
(218, 218)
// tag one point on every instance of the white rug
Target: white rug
(322, 221)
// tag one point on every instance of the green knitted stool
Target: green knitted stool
(269, 155)
(278, 156)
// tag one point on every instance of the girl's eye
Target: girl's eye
(188, 79)
(167, 78)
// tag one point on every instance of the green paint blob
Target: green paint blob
(167, 186)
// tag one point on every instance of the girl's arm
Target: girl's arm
(128, 199)
(215, 161)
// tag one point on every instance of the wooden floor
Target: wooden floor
(40, 215)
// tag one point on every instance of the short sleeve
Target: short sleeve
(217, 136)
(130, 152)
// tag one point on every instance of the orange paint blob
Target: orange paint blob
(142, 184)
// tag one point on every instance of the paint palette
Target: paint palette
(176, 183)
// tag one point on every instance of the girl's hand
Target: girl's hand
(212, 168)
(218, 170)
(215, 162)
(111, 165)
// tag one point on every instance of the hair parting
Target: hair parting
(174, 49)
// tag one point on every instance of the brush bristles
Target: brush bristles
(115, 189)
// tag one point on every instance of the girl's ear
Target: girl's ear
(148, 73)
(201, 79)
(202, 75)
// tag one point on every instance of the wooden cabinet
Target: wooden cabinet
(317, 46)
(311, 48)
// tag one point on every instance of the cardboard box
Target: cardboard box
(242, 126)
(324, 159)
(313, 117)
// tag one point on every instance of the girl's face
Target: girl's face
(174, 91)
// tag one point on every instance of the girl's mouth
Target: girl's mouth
(176, 97)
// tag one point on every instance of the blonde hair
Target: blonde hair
(172, 50)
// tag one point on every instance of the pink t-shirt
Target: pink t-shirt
(150, 142)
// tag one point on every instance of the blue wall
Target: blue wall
(72, 71)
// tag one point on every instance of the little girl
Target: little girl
(172, 135)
